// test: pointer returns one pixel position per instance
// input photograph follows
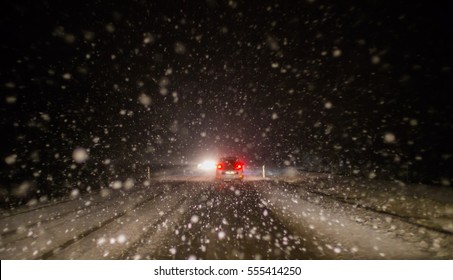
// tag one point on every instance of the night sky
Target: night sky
(356, 86)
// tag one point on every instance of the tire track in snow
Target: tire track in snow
(228, 221)
(102, 224)
(150, 244)
(40, 243)
(41, 217)
(113, 239)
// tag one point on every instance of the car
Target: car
(230, 168)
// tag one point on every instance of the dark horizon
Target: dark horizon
(354, 86)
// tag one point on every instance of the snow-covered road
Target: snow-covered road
(198, 218)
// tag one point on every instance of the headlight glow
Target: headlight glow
(207, 165)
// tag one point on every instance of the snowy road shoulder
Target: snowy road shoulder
(341, 230)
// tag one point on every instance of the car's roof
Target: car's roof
(230, 158)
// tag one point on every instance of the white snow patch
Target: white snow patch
(121, 239)
(101, 241)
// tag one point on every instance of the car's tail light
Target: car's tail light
(219, 166)
(238, 166)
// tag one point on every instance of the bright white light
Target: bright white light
(207, 165)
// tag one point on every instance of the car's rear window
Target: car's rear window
(229, 161)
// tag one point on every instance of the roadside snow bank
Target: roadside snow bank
(429, 206)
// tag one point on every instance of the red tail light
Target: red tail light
(238, 166)
(219, 166)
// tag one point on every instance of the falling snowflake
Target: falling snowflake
(221, 235)
(80, 155)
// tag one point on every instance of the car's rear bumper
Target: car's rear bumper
(223, 175)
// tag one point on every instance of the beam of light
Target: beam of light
(207, 165)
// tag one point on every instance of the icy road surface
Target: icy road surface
(178, 218)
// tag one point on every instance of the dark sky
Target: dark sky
(361, 84)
